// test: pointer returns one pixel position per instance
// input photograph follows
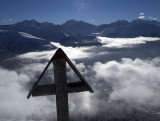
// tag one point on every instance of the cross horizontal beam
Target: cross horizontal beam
(49, 89)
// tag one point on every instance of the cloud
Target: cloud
(92, 20)
(141, 17)
(74, 52)
(133, 81)
(13, 101)
(7, 20)
(152, 18)
(125, 42)
(14, 90)
(155, 18)
(141, 14)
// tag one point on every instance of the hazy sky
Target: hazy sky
(92, 11)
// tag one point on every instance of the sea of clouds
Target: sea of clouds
(133, 81)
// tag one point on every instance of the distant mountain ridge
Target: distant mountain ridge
(72, 29)
(72, 33)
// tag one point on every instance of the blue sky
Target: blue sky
(92, 11)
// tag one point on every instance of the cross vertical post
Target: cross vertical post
(60, 78)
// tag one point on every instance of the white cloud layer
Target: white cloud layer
(134, 81)
(72, 52)
(141, 14)
(13, 102)
(7, 20)
(141, 17)
(153, 18)
(125, 42)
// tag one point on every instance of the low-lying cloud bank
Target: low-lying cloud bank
(131, 81)
(13, 101)
(125, 42)
(136, 81)
(72, 52)
(99, 51)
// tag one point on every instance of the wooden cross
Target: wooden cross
(61, 88)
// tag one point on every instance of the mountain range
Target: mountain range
(30, 35)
